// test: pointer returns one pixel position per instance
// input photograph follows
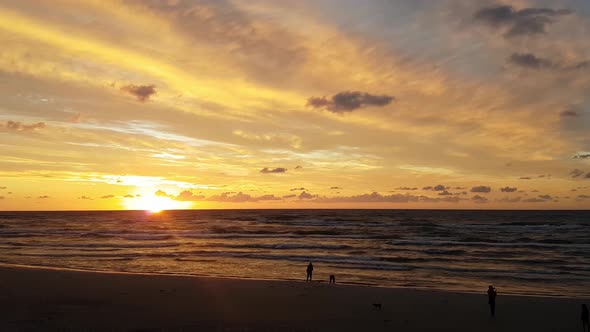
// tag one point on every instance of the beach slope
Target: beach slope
(45, 300)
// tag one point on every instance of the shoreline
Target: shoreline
(346, 284)
(37, 299)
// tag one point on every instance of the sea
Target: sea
(537, 253)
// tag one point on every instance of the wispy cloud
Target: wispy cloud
(267, 170)
(569, 113)
(509, 200)
(576, 173)
(242, 198)
(305, 195)
(530, 60)
(394, 198)
(534, 200)
(293, 141)
(526, 21)
(582, 155)
(19, 126)
(479, 199)
(185, 195)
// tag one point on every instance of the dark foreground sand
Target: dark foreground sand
(50, 300)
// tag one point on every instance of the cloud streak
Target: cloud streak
(267, 170)
(376, 197)
(532, 61)
(529, 60)
(479, 199)
(349, 101)
(569, 113)
(526, 21)
(19, 126)
(509, 200)
(242, 198)
(305, 195)
(576, 173)
(581, 156)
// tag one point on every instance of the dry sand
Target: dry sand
(50, 300)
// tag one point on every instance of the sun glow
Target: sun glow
(155, 204)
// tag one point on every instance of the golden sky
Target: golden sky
(156, 104)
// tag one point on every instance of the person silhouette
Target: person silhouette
(309, 271)
(584, 317)
(332, 279)
(492, 299)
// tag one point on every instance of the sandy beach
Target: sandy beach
(35, 299)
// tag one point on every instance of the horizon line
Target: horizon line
(294, 209)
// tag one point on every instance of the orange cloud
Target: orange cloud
(19, 126)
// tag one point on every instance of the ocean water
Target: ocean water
(520, 252)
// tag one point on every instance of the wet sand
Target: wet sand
(61, 300)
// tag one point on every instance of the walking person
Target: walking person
(585, 325)
(309, 271)
(492, 300)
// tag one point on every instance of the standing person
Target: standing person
(492, 300)
(332, 279)
(309, 271)
(585, 326)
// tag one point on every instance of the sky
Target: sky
(177, 104)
